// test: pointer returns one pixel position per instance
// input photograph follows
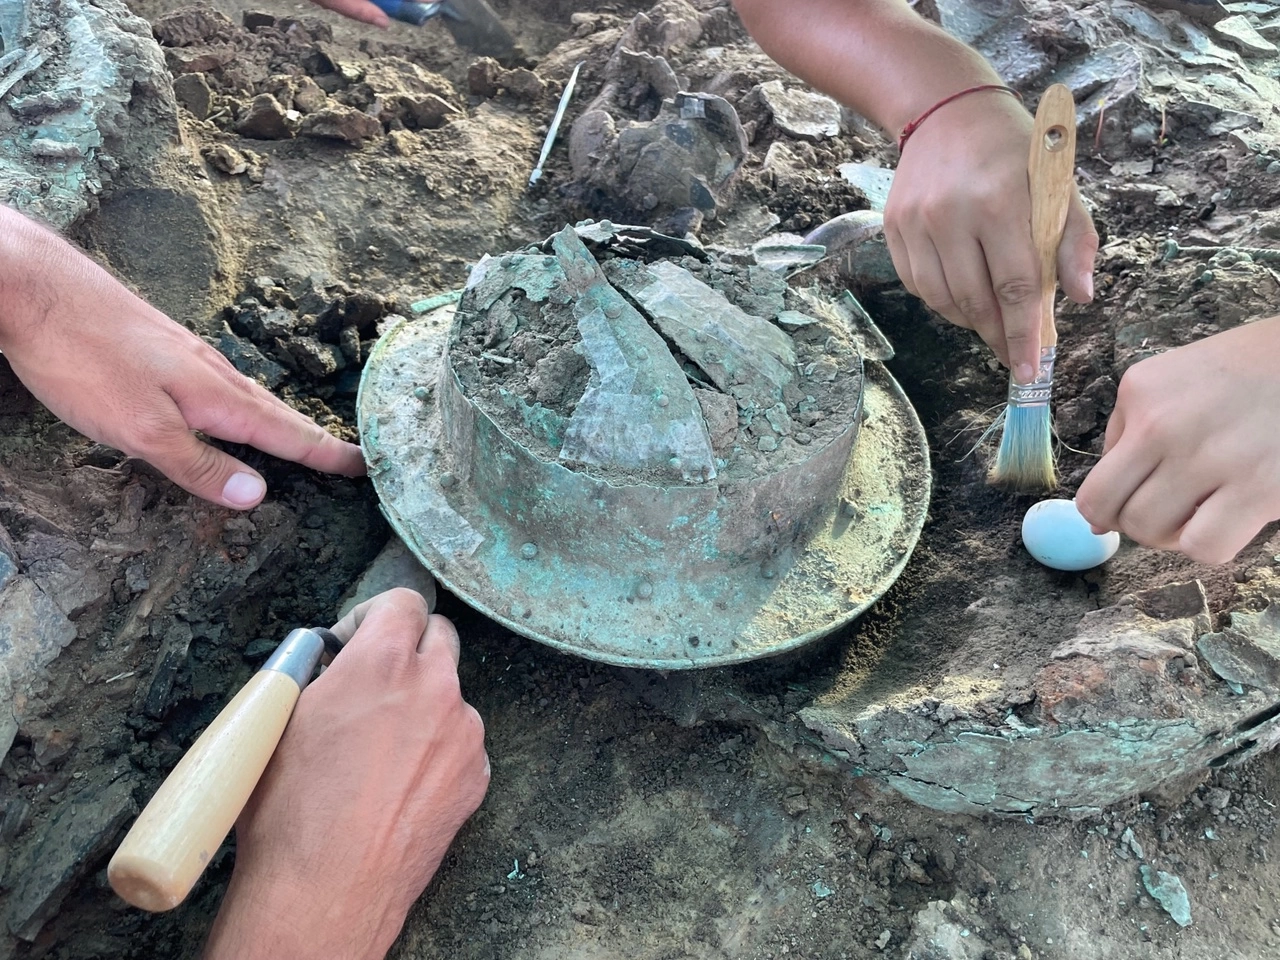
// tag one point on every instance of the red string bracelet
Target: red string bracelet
(914, 125)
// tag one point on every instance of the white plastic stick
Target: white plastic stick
(555, 125)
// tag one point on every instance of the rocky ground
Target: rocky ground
(329, 177)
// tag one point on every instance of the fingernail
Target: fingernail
(243, 490)
(1023, 373)
(1088, 285)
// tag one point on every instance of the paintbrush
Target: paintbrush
(1025, 458)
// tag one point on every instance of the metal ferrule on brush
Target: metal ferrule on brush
(1038, 391)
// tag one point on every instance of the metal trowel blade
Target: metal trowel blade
(477, 28)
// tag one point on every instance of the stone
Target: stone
(1206, 11)
(227, 159)
(1247, 652)
(308, 97)
(197, 59)
(250, 361)
(33, 631)
(339, 122)
(395, 91)
(254, 20)
(316, 358)
(191, 26)
(83, 830)
(394, 566)
(482, 77)
(1168, 890)
(945, 930)
(721, 413)
(523, 84)
(267, 119)
(65, 571)
(170, 660)
(426, 111)
(802, 114)
(1241, 33)
(8, 570)
(192, 91)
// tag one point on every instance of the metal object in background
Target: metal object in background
(613, 529)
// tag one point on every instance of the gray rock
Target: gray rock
(316, 358)
(192, 26)
(251, 361)
(263, 326)
(798, 113)
(33, 631)
(84, 829)
(1247, 652)
(8, 570)
(946, 931)
(1240, 32)
(192, 91)
(1169, 892)
(66, 572)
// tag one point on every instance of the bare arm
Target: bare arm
(958, 217)
(876, 56)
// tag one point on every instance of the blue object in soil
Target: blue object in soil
(407, 11)
(1056, 535)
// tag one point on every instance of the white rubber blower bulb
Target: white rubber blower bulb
(1055, 534)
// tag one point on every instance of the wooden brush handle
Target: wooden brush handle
(176, 836)
(1051, 169)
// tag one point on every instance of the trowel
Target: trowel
(473, 23)
(184, 824)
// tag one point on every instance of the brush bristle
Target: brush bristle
(1025, 459)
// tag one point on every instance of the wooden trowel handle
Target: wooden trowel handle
(186, 821)
(1052, 173)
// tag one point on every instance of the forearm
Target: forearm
(29, 256)
(877, 57)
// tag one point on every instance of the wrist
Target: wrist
(26, 250)
(264, 917)
(940, 66)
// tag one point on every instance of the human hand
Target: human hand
(380, 765)
(361, 10)
(1192, 454)
(958, 225)
(122, 373)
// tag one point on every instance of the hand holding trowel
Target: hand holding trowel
(474, 25)
(185, 823)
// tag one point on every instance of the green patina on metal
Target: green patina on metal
(606, 525)
(68, 77)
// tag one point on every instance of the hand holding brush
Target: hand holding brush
(1025, 458)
